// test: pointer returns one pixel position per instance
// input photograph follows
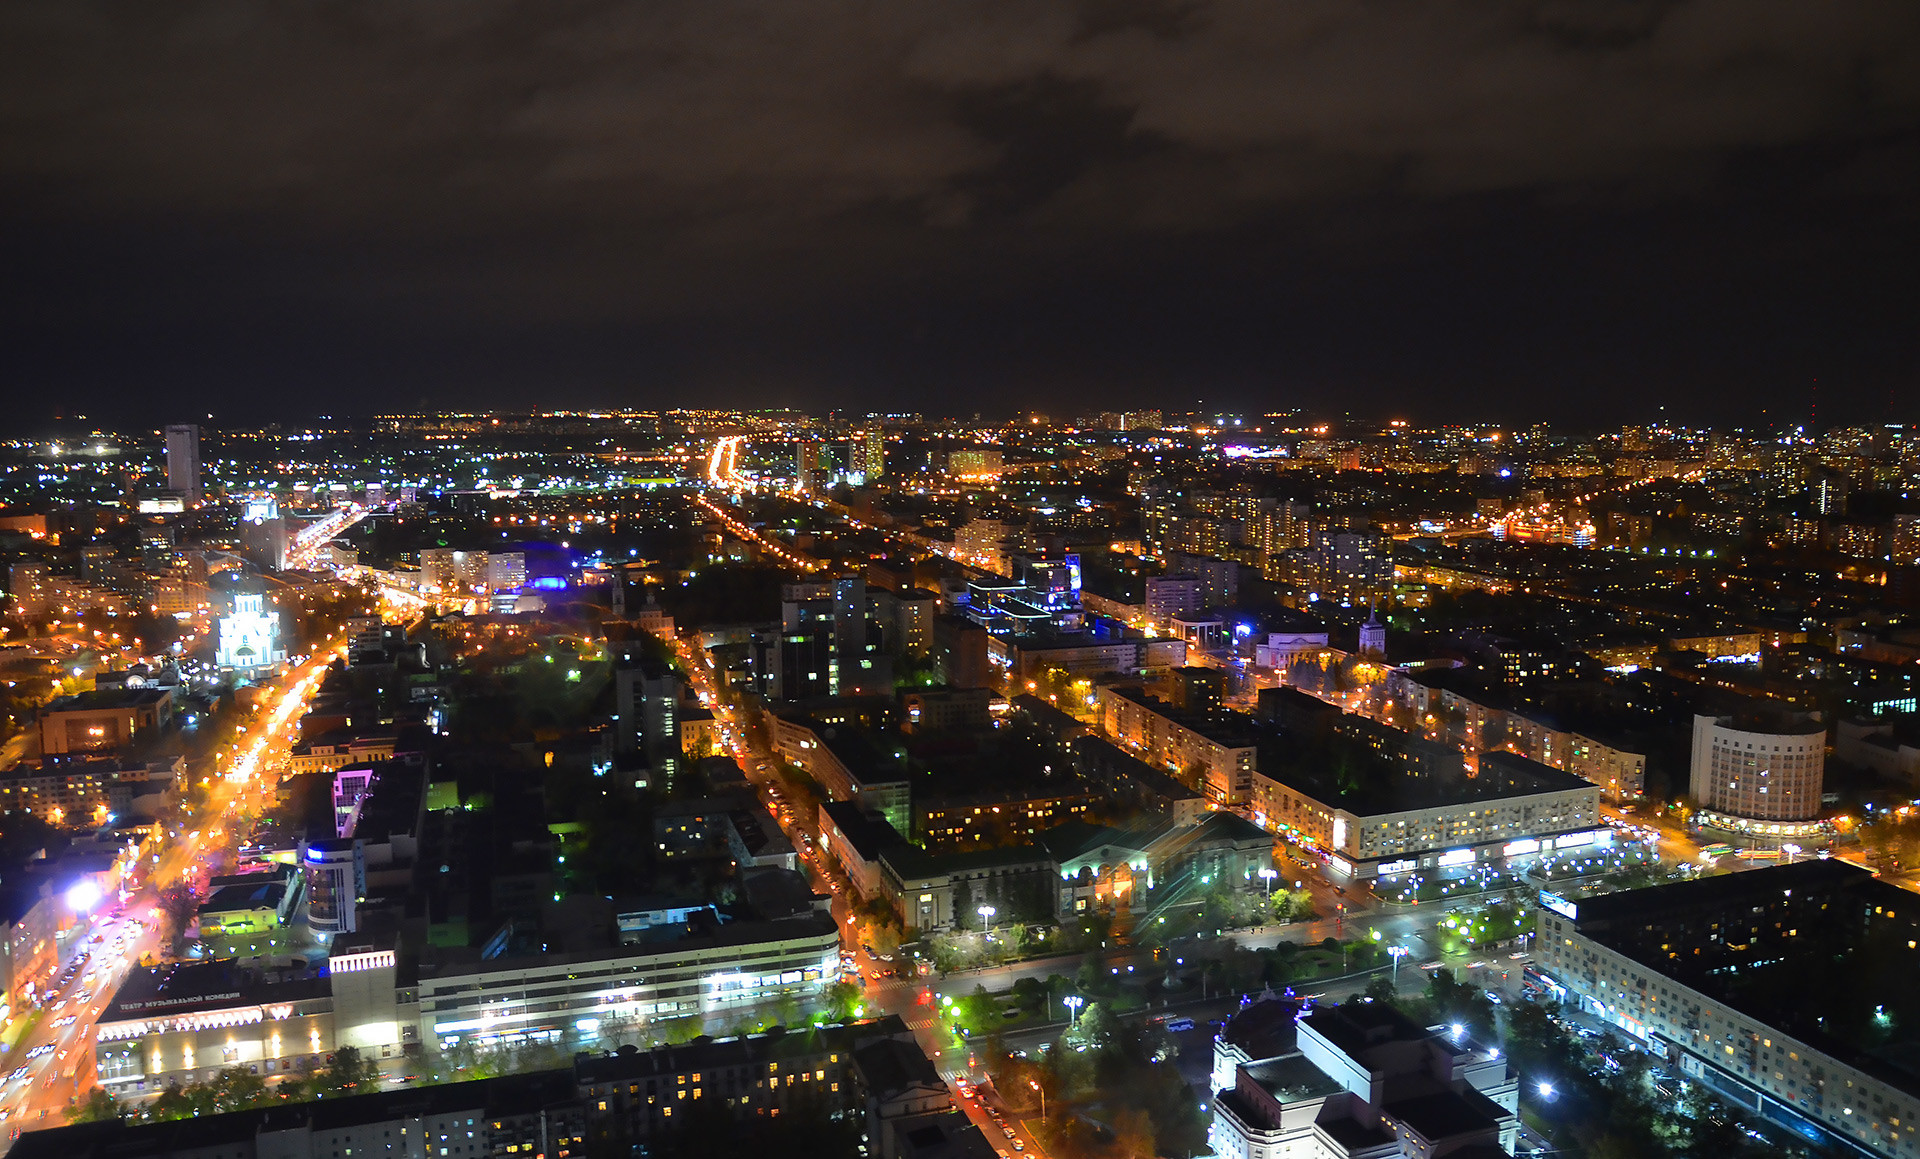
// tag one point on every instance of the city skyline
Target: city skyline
(921, 779)
(890, 579)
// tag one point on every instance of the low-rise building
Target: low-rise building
(542, 998)
(29, 925)
(1213, 752)
(247, 915)
(84, 791)
(1132, 783)
(184, 1022)
(1889, 746)
(942, 709)
(340, 749)
(1112, 868)
(105, 719)
(845, 763)
(1772, 987)
(855, 839)
(1401, 822)
(959, 822)
(932, 893)
(1082, 654)
(602, 1101)
(1353, 1081)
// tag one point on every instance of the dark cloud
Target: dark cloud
(1234, 195)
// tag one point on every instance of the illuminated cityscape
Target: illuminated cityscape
(1178, 579)
(736, 736)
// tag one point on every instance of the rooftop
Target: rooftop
(1447, 1114)
(1292, 1079)
(104, 699)
(187, 987)
(264, 894)
(1265, 1029)
(1382, 787)
(867, 834)
(1357, 1027)
(892, 1065)
(1768, 943)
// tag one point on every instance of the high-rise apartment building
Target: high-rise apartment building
(806, 466)
(831, 643)
(870, 454)
(183, 461)
(29, 586)
(1219, 578)
(263, 535)
(448, 571)
(1767, 768)
(960, 652)
(981, 543)
(647, 702)
(1905, 541)
(975, 463)
(1130, 420)
(506, 571)
(1168, 596)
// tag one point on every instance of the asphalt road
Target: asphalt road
(53, 1063)
(1349, 913)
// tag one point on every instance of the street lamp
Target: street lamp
(986, 913)
(1043, 1098)
(1074, 1002)
(1397, 953)
(1268, 875)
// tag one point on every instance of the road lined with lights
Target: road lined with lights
(722, 465)
(315, 536)
(1406, 929)
(784, 554)
(52, 1064)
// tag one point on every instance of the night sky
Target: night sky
(1575, 210)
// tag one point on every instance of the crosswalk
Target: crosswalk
(920, 1024)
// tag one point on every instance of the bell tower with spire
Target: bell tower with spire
(1373, 634)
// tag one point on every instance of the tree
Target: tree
(963, 905)
(236, 1088)
(1381, 989)
(1095, 1028)
(178, 905)
(346, 1074)
(1030, 993)
(884, 936)
(178, 1102)
(1292, 905)
(97, 1107)
(1133, 1134)
(842, 1001)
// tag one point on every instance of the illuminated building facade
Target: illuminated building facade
(1211, 752)
(556, 997)
(104, 719)
(185, 1022)
(250, 637)
(1767, 770)
(1766, 984)
(1514, 808)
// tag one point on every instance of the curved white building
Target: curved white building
(1760, 769)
